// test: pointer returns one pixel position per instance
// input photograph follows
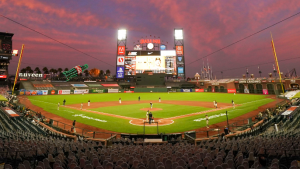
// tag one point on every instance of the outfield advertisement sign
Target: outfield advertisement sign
(199, 90)
(231, 90)
(113, 90)
(128, 91)
(33, 92)
(186, 90)
(97, 91)
(64, 92)
(265, 91)
(94, 85)
(79, 85)
(81, 91)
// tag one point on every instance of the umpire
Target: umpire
(150, 117)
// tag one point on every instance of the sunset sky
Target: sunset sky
(91, 27)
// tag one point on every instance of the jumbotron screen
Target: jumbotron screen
(156, 61)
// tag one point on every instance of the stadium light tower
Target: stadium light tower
(121, 51)
(179, 47)
(122, 34)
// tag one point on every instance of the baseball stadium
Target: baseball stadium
(150, 114)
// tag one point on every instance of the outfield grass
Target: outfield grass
(49, 103)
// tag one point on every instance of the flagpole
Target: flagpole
(276, 61)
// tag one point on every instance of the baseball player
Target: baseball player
(89, 102)
(207, 120)
(64, 102)
(120, 100)
(159, 100)
(214, 103)
(233, 104)
(58, 106)
(139, 98)
(81, 106)
(151, 104)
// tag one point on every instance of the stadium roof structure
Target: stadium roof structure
(2, 98)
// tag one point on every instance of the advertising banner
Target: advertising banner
(186, 90)
(62, 85)
(81, 91)
(180, 70)
(120, 72)
(33, 92)
(199, 90)
(213, 90)
(179, 50)
(110, 85)
(42, 92)
(231, 90)
(79, 85)
(94, 85)
(265, 91)
(128, 91)
(45, 92)
(43, 85)
(52, 91)
(180, 60)
(113, 90)
(22, 92)
(121, 50)
(120, 60)
(64, 92)
(97, 91)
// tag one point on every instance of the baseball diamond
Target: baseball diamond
(177, 112)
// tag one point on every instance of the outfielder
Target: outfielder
(120, 100)
(58, 106)
(81, 106)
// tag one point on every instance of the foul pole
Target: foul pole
(18, 68)
(276, 62)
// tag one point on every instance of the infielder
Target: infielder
(207, 120)
(81, 106)
(214, 103)
(58, 106)
(159, 99)
(89, 102)
(151, 104)
(120, 100)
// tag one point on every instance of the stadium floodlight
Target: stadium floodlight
(121, 34)
(178, 34)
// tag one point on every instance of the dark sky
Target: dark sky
(91, 26)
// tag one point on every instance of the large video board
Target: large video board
(155, 61)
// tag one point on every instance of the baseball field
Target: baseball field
(177, 112)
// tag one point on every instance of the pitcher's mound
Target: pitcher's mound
(153, 109)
